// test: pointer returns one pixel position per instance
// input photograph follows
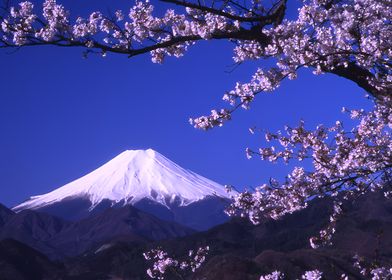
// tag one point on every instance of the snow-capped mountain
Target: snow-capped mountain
(143, 178)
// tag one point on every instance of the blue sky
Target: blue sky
(61, 116)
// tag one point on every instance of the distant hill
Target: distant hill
(240, 250)
(58, 238)
(5, 214)
(20, 262)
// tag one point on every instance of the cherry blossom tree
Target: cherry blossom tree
(346, 164)
(347, 38)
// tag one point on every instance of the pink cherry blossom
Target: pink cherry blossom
(163, 263)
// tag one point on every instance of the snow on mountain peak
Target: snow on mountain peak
(130, 177)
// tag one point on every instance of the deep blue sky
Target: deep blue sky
(61, 116)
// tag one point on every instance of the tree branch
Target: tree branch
(264, 20)
(358, 75)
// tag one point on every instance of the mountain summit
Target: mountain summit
(143, 178)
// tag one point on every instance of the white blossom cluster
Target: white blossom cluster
(349, 162)
(326, 234)
(307, 275)
(162, 263)
(381, 273)
(372, 271)
(275, 275)
(312, 275)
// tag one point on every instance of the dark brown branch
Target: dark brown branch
(262, 20)
(242, 34)
(358, 75)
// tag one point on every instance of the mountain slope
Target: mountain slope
(240, 250)
(57, 238)
(35, 229)
(20, 262)
(145, 179)
(125, 223)
(5, 214)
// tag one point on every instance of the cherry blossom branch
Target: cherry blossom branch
(163, 265)
(259, 32)
(307, 275)
(372, 269)
(356, 162)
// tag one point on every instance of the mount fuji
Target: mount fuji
(144, 179)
